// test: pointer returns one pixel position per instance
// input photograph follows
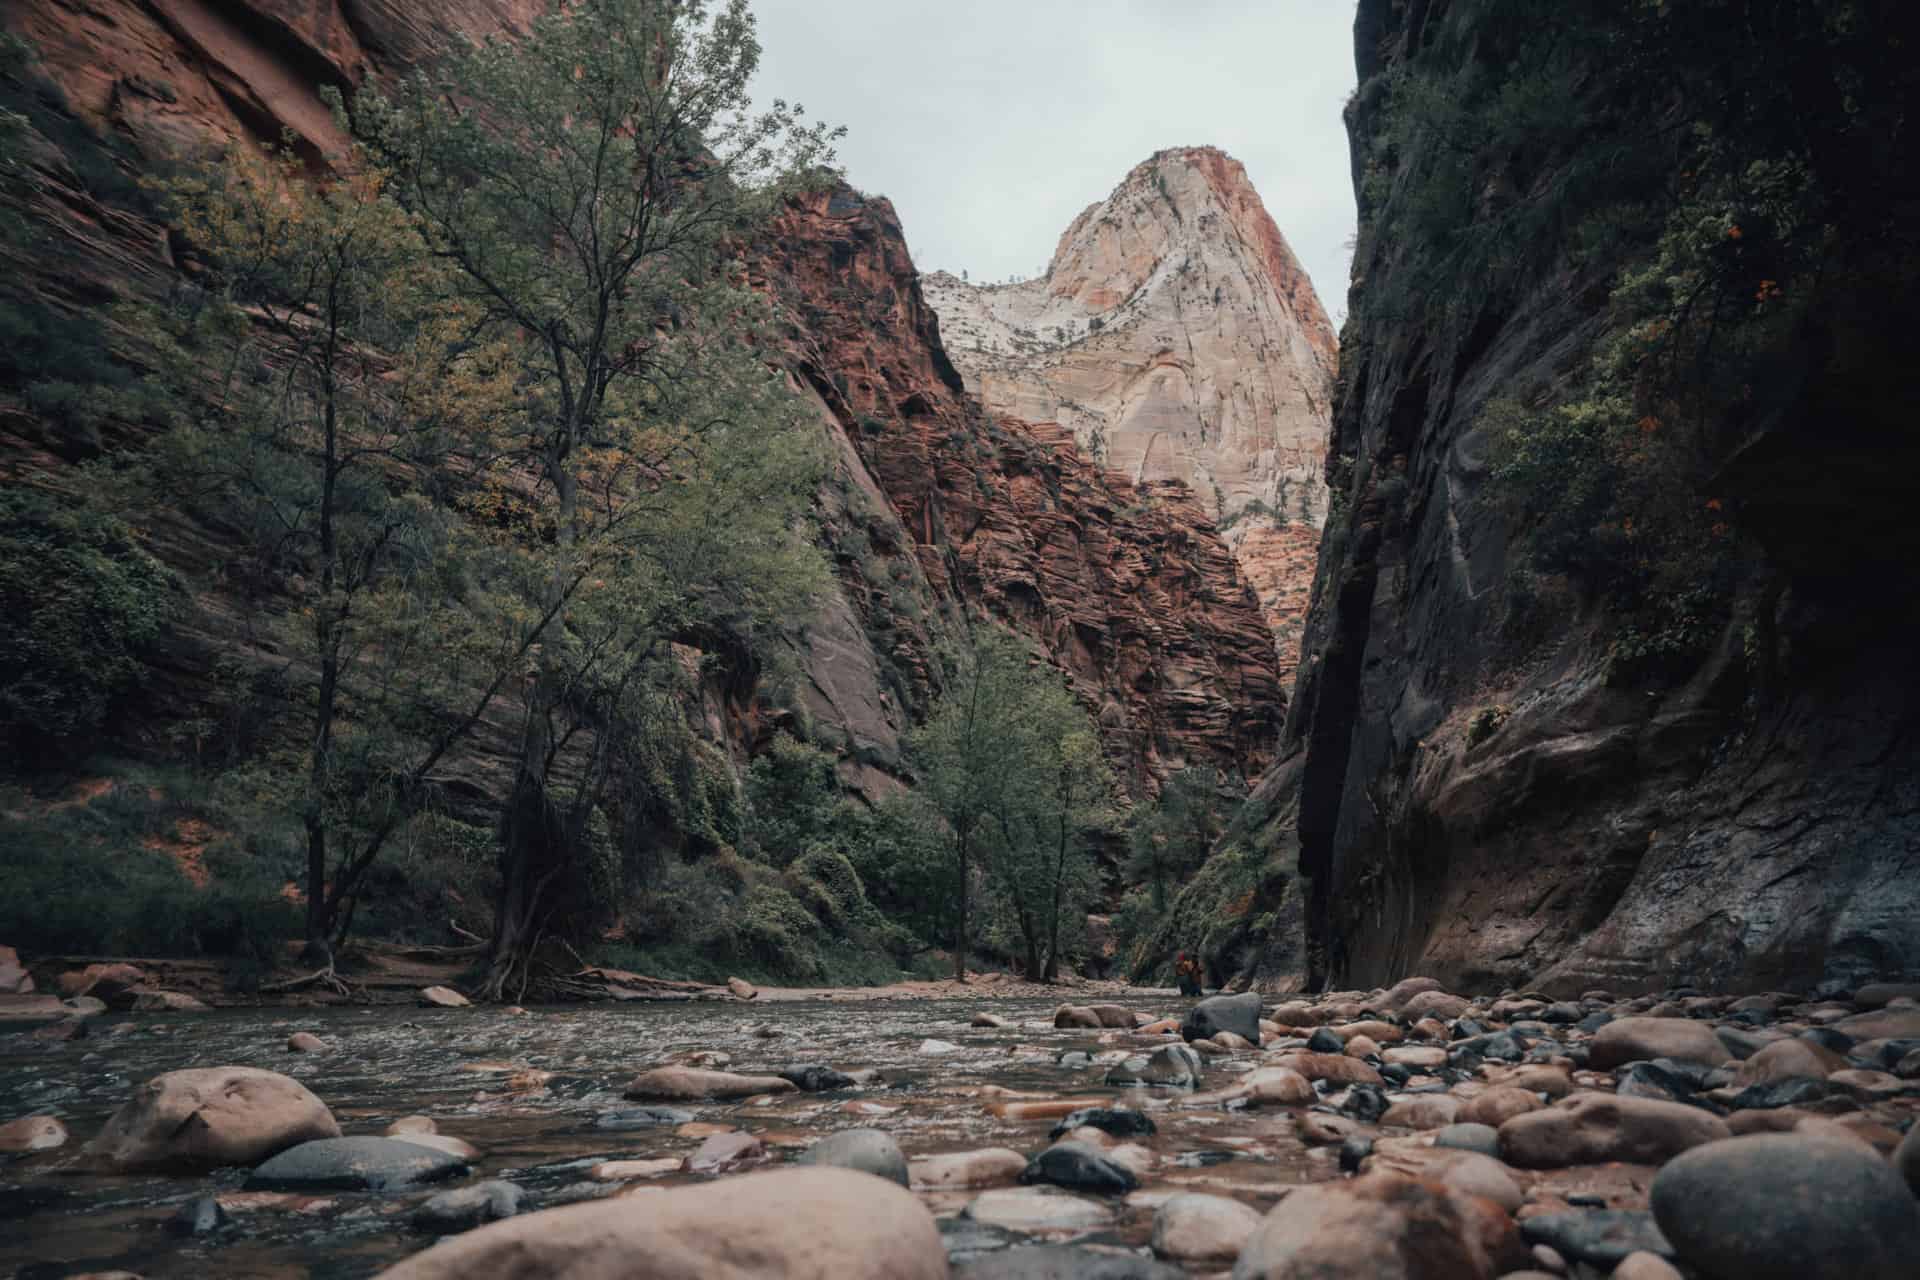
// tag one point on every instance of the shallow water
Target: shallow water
(460, 1067)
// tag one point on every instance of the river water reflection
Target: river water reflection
(526, 1090)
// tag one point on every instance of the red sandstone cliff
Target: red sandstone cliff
(935, 510)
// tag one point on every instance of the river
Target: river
(483, 1076)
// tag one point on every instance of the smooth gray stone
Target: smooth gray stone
(464, 1208)
(1239, 1014)
(1785, 1206)
(1483, 1138)
(641, 1118)
(1600, 1236)
(355, 1164)
(868, 1150)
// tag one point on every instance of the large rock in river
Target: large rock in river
(688, 1083)
(1239, 1014)
(791, 1223)
(1382, 1227)
(188, 1121)
(1781, 1206)
(1592, 1128)
(357, 1164)
(1643, 1039)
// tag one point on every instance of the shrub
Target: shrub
(95, 877)
(1485, 723)
(81, 605)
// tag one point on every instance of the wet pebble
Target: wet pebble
(1029, 1209)
(868, 1150)
(1469, 1137)
(1121, 1122)
(464, 1208)
(641, 1118)
(200, 1216)
(32, 1133)
(953, 1170)
(1079, 1166)
(816, 1079)
(725, 1151)
(1323, 1040)
(1599, 1236)
(355, 1164)
(1203, 1228)
(1239, 1014)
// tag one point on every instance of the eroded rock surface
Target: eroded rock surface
(1177, 338)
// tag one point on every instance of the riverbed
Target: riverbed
(526, 1090)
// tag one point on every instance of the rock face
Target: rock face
(1177, 338)
(1127, 587)
(933, 511)
(1490, 809)
(186, 1121)
(792, 1223)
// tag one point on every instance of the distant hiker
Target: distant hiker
(1187, 972)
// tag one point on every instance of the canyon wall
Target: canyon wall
(1493, 783)
(935, 513)
(1177, 338)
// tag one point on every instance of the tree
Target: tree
(1172, 836)
(1042, 863)
(345, 399)
(1010, 764)
(590, 188)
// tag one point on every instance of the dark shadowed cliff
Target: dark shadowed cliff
(1609, 674)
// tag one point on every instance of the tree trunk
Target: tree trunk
(326, 627)
(532, 836)
(1059, 887)
(960, 935)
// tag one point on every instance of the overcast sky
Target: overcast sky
(992, 123)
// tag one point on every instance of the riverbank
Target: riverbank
(1473, 1132)
(384, 974)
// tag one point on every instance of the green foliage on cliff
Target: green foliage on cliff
(1724, 183)
(1170, 836)
(99, 869)
(81, 606)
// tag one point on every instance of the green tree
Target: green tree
(348, 392)
(81, 606)
(1170, 837)
(1009, 763)
(591, 199)
(793, 799)
(1042, 864)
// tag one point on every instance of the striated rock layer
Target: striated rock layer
(1177, 338)
(1128, 587)
(935, 512)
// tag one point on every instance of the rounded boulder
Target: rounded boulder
(1382, 1226)
(1782, 1206)
(1592, 1128)
(208, 1117)
(867, 1150)
(803, 1222)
